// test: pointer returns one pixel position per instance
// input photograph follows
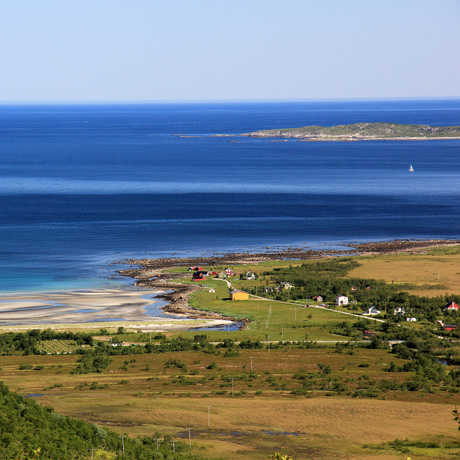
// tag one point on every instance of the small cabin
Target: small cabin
(450, 327)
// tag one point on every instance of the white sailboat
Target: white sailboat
(411, 169)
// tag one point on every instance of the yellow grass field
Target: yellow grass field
(430, 268)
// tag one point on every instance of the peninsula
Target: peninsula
(362, 131)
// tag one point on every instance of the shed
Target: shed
(239, 295)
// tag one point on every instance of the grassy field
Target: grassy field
(436, 267)
(252, 415)
(244, 406)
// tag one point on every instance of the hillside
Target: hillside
(30, 430)
(362, 131)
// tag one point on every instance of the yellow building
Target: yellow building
(239, 295)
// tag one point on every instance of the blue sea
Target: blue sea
(83, 186)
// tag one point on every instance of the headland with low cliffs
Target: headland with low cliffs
(362, 131)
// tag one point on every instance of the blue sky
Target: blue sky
(200, 50)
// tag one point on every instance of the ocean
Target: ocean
(85, 186)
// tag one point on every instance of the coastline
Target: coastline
(152, 272)
(114, 307)
(349, 138)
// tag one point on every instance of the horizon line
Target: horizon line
(225, 101)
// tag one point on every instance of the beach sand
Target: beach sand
(90, 309)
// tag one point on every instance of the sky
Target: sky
(228, 50)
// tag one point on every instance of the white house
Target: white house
(250, 275)
(341, 300)
(372, 311)
(412, 320)
(399, 311)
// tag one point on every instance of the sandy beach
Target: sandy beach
(91, 309)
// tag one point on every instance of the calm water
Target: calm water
(82, 186)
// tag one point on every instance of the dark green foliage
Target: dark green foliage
(29, 430)
(175, 363)
(27, 343)
(92, 361)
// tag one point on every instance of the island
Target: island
(361, 131)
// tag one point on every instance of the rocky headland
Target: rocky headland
(362, 131)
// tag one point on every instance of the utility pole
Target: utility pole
(282, 330)
(209, 416)
(269, 344)
(295, 313)
(233, 378)
(158, 442)
(174, 445)
(189, 437)
(251, 358)
(123, 444)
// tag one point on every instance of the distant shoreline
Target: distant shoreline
(362, 132)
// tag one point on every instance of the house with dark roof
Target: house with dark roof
(452, 306)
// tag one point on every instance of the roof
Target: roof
(234, 292)
(452, 305)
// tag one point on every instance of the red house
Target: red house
(198, 276)
(452, 306)
(450, 327)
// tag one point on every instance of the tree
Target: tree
(278, 456)
(456, 415)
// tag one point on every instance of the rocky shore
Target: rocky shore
(150, 273)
